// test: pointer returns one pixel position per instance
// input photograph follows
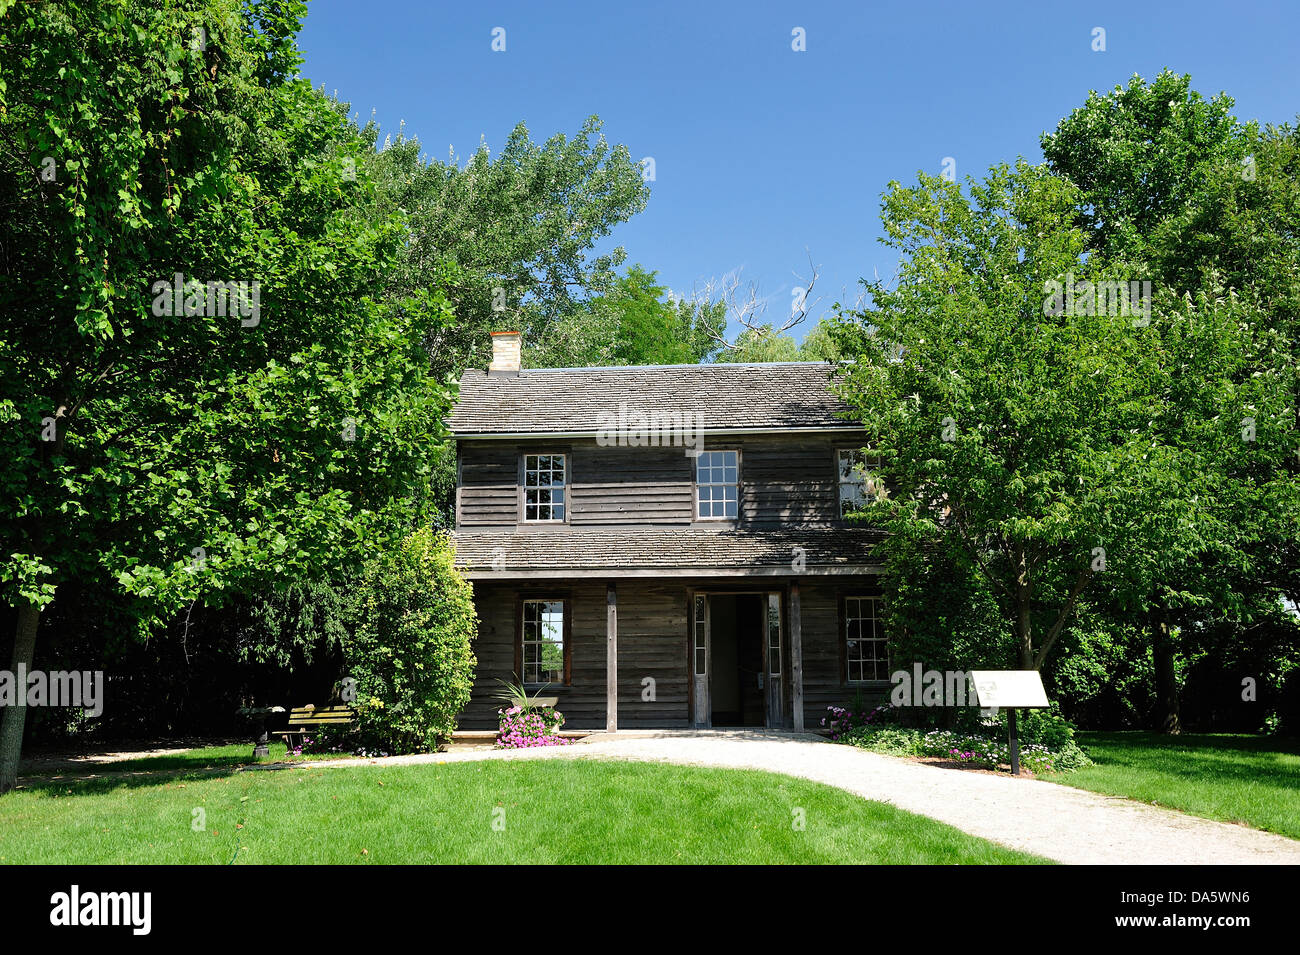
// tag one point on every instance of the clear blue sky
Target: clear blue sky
(760, 151)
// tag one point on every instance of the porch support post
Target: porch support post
(611, 658)
(796, 659)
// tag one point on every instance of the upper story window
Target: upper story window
(717, 484)
(866, 653)
(858, 486)
(544, 481)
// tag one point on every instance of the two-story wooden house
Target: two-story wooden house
(662, 546)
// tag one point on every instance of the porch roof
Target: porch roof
(503, 553)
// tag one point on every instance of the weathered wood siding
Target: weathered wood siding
(786, 479)
(783, 479)
(651, 643)
(823, 673)
(630, 485)
(488, 491)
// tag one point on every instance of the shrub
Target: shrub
(841, 720)
(409, 650)
(894, 740)
(1046, 741)
(1047, 727)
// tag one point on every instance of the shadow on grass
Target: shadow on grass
(86, 778)
(1197, 755)
(81, 784)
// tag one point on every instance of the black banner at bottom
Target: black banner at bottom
(142, 905)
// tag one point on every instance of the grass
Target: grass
(206, 757)
(552, 811)
(1253, 780)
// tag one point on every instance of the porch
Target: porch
(742, 653)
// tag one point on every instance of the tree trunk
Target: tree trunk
(1162, 653)
(1024, 629)
(14, 718)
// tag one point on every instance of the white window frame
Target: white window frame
(735, 485)
(548, 489)
(527, 675)
(875, 663)
(869, 465)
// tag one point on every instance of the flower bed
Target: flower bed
(842, 720)
(985, 747)
(519, 727)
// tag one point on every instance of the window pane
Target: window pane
(856, 480)
(866, 650)
(774, 634)
(543, 639)
(716, 480)
(543, 487)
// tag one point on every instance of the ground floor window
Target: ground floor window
(544, 638)
(866, 653)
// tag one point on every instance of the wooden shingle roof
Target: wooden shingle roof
(640, 551)
(738, 397)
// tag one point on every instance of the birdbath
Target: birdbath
(261, 747)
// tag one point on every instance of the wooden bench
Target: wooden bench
(303, 718)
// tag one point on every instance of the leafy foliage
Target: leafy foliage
(192, 454)
(412, 624)
(631, 324)
(1046, 740)
(1015, 433)
(509, 236)
(1206, 204)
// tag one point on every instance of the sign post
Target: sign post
(1009, 689)
(1015, 743)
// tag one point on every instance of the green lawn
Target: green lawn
(1253, 780)
(234, 754)
(558, 811)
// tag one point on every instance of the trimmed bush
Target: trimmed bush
(409, 650)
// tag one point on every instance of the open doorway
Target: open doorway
(736, 627)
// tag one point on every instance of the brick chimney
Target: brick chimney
(507, 352)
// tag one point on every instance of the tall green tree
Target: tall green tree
(819, 344)
(1012, 426)
(1175, 188)
(762, 343)
(1142, 154)
(765, 343)
(636, 321)
(190, 453)
(511, 236)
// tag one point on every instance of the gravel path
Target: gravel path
(1069, 825)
